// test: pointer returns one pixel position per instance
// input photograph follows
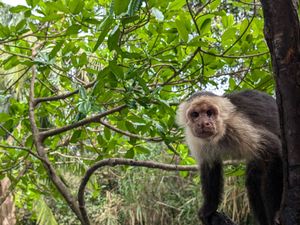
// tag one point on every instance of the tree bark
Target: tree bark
(7, 209)
(282, 36)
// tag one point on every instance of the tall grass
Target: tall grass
(152, 197)
(144, 197)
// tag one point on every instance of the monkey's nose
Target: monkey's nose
(206, 125)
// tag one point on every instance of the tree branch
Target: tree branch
(38, 141)
(93, 119)
(233, 56)
(128, 134)
(62, 96)
(127, 162)
(119, 161)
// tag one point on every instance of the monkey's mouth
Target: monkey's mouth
(203, 133)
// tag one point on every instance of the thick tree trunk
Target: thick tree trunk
(283, 38)
(7, 209)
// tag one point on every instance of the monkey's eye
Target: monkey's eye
(209, 113)
(194, 114)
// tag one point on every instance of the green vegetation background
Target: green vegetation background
(148, 55)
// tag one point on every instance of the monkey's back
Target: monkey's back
(259, 107)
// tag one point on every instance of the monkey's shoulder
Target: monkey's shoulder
(258, 107)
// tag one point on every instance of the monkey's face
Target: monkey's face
(202, 119)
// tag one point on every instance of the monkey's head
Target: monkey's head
(204, 115)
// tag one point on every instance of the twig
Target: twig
(13, 185)
(10, 134)
(232, 56)
(243, 33)
(61, 97)
(193, 17)
(16, 81)
(184, 66)
(128, 134)
(21, 148)
(12, 72)
(15, 54)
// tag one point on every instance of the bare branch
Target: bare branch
(119, 161)
(16, 81)
(128, 162)
(21, 148)
(60, 97)
(193, 17)
(15, 54)
(233, 56)
(93, 119)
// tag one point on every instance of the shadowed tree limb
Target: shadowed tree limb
(216, 219)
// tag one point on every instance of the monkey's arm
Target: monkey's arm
(212, 189)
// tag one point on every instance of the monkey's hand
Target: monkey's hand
(206, 211)
(216, 218)
(205, 215)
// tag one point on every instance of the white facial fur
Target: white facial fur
(246, 136)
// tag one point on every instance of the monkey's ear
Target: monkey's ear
(181, 118)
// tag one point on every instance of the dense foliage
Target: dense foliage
(85, 58)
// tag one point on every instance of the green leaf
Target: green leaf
(73, 29)
(205, 26)
(107, 133)
(44, 213)
(83, 60)
(76, 6)
(229, 34)
(104, 27)
(82, 92)
(4, 31)
(232, 83)
(10, 62)
(56, 48)
(141, 150)
(129, 19)
(32, 3)
(21, 25)
(214, 4)
(204, 23)
(113, 39)
(116, 70)
(177, 4)
(19, 8)
(227, 20)
(75, 136)
(119, 6)
(183, 33)
(134, 6)
(4, 117)
(130, 154)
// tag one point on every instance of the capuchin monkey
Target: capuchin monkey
(241, 125)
